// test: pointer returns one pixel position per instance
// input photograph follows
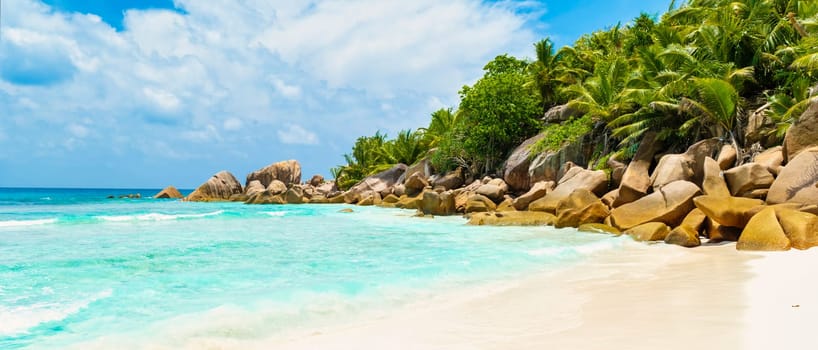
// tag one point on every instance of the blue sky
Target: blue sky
(148, 93)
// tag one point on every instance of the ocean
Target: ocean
(80, 270)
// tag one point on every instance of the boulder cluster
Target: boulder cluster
(765, 200)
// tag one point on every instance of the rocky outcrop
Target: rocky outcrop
(288, 172)
(580, 207)
(433, 203)
(757, 123)
(727, 211)
(169, 192)
(276, 187)
(294, 195)
(381, 183)
(727, 157)
(687, 234)
(771, 159)
(316, 180)
(479, 203)
(537, 191)
(422, 167)
(452, 180)
(803, 134)
(668, 205)
(415, 183)
(515, 168)
(636, 179)
(713, 183)
(513, 218)
(253, 188)
(651, 231)
(552, 166)
(561, 113)
(763, 232)
(801, 228)
(219, 187)
(798, 181)
(494, 189)
(672, 167)
(742, 180)
(574, 179)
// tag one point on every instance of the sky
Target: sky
(150, 93)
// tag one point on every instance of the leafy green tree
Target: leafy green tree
(498, 113)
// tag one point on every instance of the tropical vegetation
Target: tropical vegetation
(698, 71)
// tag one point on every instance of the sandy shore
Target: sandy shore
(645, 297)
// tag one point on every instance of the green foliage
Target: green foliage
(498, 113)
(373, 154)
(558, 135)
(693, 73)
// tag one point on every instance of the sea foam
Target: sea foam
(20, 319)
(156, 216)
(24, 223)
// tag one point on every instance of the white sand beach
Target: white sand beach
(648, 297)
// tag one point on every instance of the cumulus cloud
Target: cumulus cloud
(179, 80)
(296, 135)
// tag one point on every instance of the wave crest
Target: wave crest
(24, 223)
(156, 216)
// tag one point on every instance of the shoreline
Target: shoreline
(652, 297)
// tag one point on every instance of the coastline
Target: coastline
(659, 296)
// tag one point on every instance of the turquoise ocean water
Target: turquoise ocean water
(76, 267)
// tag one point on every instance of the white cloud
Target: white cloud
(78, 130)
(289, 91)
(325, 70)
(232, 124)
(296, 135)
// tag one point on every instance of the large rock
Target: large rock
(728, 211)
(316, 180)
(580, 207)
(515, 168)
(537, 191)
(561, 113)
(169, 192)
(668, 205)
(717, 233)
(798, 181)
(276, 187)
(771, 159)
(763, 232)
(381, 182)
(494, 190)
(415, 183)
(552, 166)
(219, 187)
(479, 203)
(636, 180)
(800, 227)
(713, 183)
(266, 197)
(452, 180)
(803, 134)
(288, 172)
(672, 167)
(758, 122)
(651, 231)
(697, 152)
(687, 234)
(253, 188)
(574, 179)
(744, 179)
(727, 157)
(512, 218)
(422, 167)
(294, 195)
(433, 203)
